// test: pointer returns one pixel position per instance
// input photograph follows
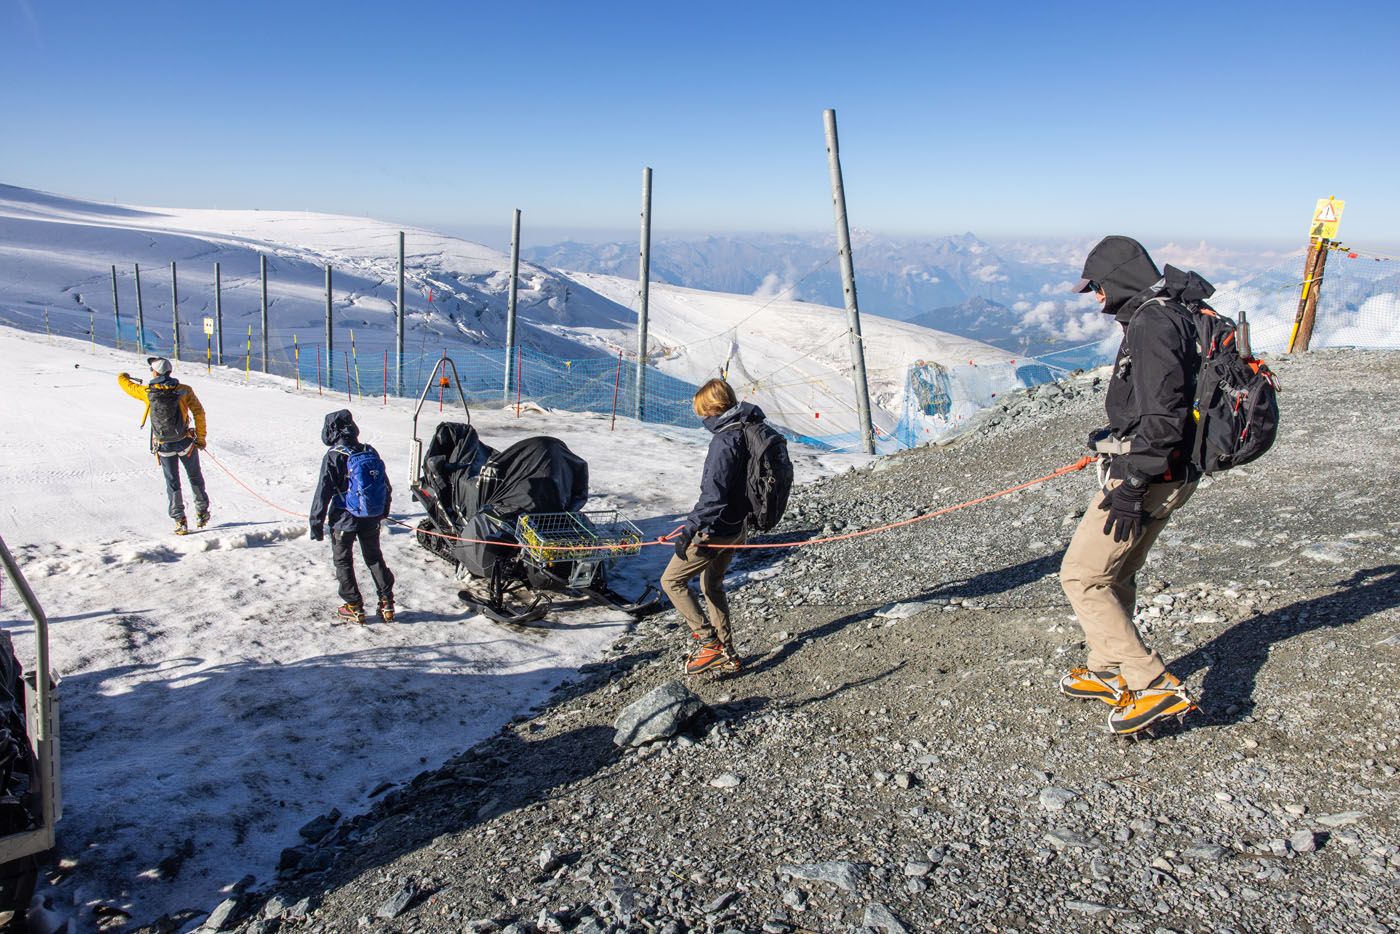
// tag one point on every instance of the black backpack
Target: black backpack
(769, 479)
(1236, 406)
(167, 421)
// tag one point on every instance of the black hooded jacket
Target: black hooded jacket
(723, 506)
(339, 434)
(1153, 387)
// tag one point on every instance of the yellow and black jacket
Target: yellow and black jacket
(169, 405)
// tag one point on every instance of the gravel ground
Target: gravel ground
(914, 768)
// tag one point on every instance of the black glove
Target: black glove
(1124, 506)
(683, 543)
(318, 532)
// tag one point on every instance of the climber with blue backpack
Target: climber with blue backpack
(354, 493)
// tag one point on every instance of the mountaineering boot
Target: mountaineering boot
(180, 527)
(386, 609)
(1137, 710)
(201, 519)
(351, 613)
(732, 663)
(1085, 684)
(710, 655)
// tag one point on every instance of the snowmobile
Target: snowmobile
(513, 522)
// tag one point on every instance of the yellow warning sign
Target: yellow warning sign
(1326, 218)
(208, 327)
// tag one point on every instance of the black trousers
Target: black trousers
(343, 552)
(170, 466)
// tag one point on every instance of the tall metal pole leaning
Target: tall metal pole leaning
(330, 357)
(116, 309)
(140, 315)
(848, 281)
(262, 270)
(219, 313)
(644, 291)
(398, 328)
(510, 300)
(175, 308)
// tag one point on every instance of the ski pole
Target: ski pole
(296, 355)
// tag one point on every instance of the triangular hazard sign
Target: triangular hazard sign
(1326, 215)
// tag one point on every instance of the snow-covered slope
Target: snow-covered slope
(56, 257)
(209, 706)
(794, 360)
(57, 253)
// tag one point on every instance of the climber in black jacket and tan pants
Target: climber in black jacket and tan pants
(1149, 405)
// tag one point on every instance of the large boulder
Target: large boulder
(660, 713)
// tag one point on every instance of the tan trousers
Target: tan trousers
(710, 566)
(1099, 576)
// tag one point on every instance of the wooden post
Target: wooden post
(510, 300)
(140, 315)
(116, 310)
(644, 293)
(848, 279)
(1304, 320)
(175, 308)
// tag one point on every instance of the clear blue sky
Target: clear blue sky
(1193, 120)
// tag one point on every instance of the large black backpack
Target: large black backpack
(167, 421)
(769, 478)
(1236, 406)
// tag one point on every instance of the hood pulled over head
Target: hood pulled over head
(1121, 268)
(340, 428)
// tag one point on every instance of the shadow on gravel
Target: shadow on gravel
(1234, 658)
(998, 580)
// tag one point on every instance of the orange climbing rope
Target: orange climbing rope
(666, 539)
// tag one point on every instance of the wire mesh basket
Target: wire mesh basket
(551, 537)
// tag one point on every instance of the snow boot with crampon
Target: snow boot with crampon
(1087, 684)
(710, 656)
(386, 609)
(1136, 711)
(351, 613)
(180, 527)
(201, 519)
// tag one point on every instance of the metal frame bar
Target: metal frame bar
(43, 733)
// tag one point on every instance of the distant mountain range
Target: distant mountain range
(1011, 294)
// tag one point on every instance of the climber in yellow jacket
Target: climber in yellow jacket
(169, 407)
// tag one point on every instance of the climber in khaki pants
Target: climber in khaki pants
(1099, 577)
(1146, 448)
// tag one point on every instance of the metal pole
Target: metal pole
(398, 328)
(643, 285)
(41, 639)
(510, 300)
(262, 268)
(848, 281)
(116, 309)
(330, 346)
(140, 315)
(175, 307)
(219, 313)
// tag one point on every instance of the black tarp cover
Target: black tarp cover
(454, 457)
(471, 482)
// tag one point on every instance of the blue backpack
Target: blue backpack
(367, 483)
